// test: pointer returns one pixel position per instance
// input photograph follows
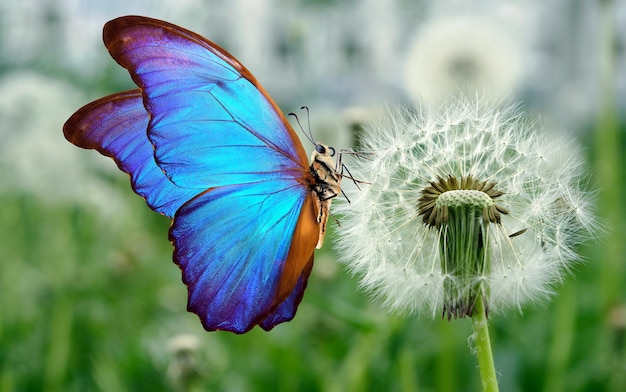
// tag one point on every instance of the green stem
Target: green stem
(483, 347)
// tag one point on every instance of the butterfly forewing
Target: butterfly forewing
(207, 111)
(116, 126)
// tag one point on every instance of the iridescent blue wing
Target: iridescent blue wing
(287, 308)
(207, 111)
(116, 126)
(245, 246)
(233, 244)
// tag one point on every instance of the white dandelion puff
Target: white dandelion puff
(467, 201)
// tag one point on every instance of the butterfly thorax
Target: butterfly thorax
(326, 186)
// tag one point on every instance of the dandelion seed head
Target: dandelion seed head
(530, 187)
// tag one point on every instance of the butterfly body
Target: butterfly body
(326, 186)
(205, 145)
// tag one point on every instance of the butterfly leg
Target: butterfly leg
(324, 196)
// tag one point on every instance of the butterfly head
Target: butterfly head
(324, 154)
(324, 149)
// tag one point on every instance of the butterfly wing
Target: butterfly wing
(233, 243)
(245, 245)
(116, 126)
(207, 110)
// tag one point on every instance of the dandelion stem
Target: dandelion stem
(482, 347)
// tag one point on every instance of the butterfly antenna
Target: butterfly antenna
(308, 121)
(307, 134)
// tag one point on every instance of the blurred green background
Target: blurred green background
(89, 297)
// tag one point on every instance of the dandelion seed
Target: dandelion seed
(464, 202)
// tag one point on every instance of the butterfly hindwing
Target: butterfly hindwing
(286, 310)
(232, 244)
(116, 126)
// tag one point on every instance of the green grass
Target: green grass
(89, 302)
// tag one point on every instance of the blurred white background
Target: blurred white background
(333, 55)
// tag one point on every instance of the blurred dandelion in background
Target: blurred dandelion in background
(464, 202)
(183, 370)
(33, 158)
(461, 55)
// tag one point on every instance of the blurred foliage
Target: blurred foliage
(90, 302)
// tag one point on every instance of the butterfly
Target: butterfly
(206, 146)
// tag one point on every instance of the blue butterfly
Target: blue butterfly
(205, 145)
